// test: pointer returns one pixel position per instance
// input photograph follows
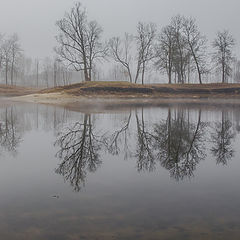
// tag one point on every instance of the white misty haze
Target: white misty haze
(34, 20)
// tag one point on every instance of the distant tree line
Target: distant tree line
(17, 69)
(179, 51)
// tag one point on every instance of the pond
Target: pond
(168, 172)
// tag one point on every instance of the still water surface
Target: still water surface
(146, 173)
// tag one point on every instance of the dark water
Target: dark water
(146, 173)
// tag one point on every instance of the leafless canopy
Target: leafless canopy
(146, 33)
(223, 55)
(181, 49)
(120, 50)
(79, 41)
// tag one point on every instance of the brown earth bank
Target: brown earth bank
(131, 90)
(98, 96)
(12, 91)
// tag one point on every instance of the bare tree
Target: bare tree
(37, 71)
(79, 41)
(196, 44)
(181, 56)
(15, 53)
(1, 52)
(121, 52)
(146, 34)
(6, 51)
(164, 51)
(47, 70)
(223, 55)
(236, 73)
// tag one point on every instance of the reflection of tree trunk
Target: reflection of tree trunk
(37, 116)
(144, 152)
(54, 119)
(6, 123)
(195, 133)
(12, 126)
(169, 132)
(79, 152)
(113, 146)
(180, 139)
(83, 135)
(223, 129)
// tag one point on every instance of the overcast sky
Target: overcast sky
(34, 20)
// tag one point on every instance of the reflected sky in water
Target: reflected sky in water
(145, 173)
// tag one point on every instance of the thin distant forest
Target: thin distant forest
(176, 53)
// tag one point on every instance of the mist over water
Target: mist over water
(141, 173)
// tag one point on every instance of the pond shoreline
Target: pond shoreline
(102, 104)
(110, 95)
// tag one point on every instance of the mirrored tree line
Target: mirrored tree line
(15, 122)
(10, 130)
(176, 143)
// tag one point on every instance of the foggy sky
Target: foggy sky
(34, 20)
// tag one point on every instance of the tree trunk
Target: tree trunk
(223, 73)
(138, 71)
(143, 72)
(6, 73)
(12, 66)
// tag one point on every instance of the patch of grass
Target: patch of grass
(11, 91)
(132, 89)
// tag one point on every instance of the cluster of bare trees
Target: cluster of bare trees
(17, 69)
(10, 57)
(179, 50)
(134, 51)
(52, 72)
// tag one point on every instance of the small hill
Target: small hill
(125, 89)
(128, 90)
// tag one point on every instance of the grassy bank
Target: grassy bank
(125, 89)
(13, 91)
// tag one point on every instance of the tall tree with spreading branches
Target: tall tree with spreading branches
(80, 41)
(223, 54)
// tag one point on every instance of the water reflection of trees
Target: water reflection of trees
(180, 144)
(10, 133)
(144, 154)
(177, 143)
(120, 137)
(222, 138)
(79, 151)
